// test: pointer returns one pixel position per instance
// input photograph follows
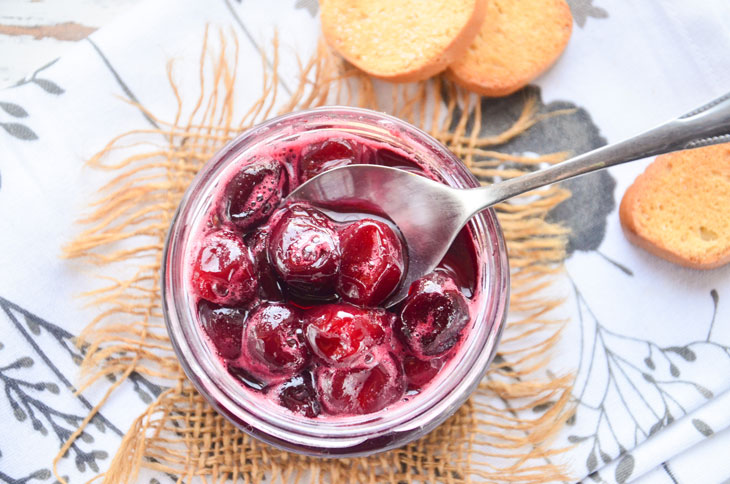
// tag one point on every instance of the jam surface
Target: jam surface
(292, 298)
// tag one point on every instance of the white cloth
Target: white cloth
(650, 339)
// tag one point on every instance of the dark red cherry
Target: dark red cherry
(224, 327)
(363, 389)
(372, 263)
(320, 157)
(433, 316)
(304, 249)
(300, 396)
(223, 272)
(257, 242)
(342, 333)
(273, 346)
(419, 372)
(254, 192)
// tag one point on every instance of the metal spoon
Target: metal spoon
(430, 214)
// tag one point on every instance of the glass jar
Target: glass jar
(348, 435)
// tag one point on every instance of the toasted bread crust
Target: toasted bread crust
(402, 41)
(679, 208)
(519, 40)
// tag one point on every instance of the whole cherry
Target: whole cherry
(304, 249)
(433, 316)
(320, 157)
(223, 271)
(363, 389)
(254, 192)
(341, 334)
(273, 346)
(224, 327)
(372, 262)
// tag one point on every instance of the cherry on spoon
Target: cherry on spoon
(430, 214)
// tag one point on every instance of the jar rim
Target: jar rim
(340, 436)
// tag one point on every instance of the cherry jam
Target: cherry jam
(276, 311)
(292, 297)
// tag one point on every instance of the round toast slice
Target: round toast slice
(679, 208)
(518, 41)
(401, 40)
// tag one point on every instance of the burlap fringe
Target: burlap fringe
(491, 438)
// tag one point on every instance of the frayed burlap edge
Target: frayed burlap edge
(491, 438)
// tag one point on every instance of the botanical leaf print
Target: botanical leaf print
(629, 379)
(312, 6)
(13, 110)
(592, 461)
(38, 475)
(45, 84)
(582, 9)
(34, 401)
(702, 427)
(145, 390)
(19, 131)
(585, 212)
(48, 86)
(41, 403)
(625, 468)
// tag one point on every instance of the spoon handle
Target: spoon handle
(706, 125)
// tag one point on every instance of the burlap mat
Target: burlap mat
(502, 434)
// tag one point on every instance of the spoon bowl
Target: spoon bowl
(403, 197)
